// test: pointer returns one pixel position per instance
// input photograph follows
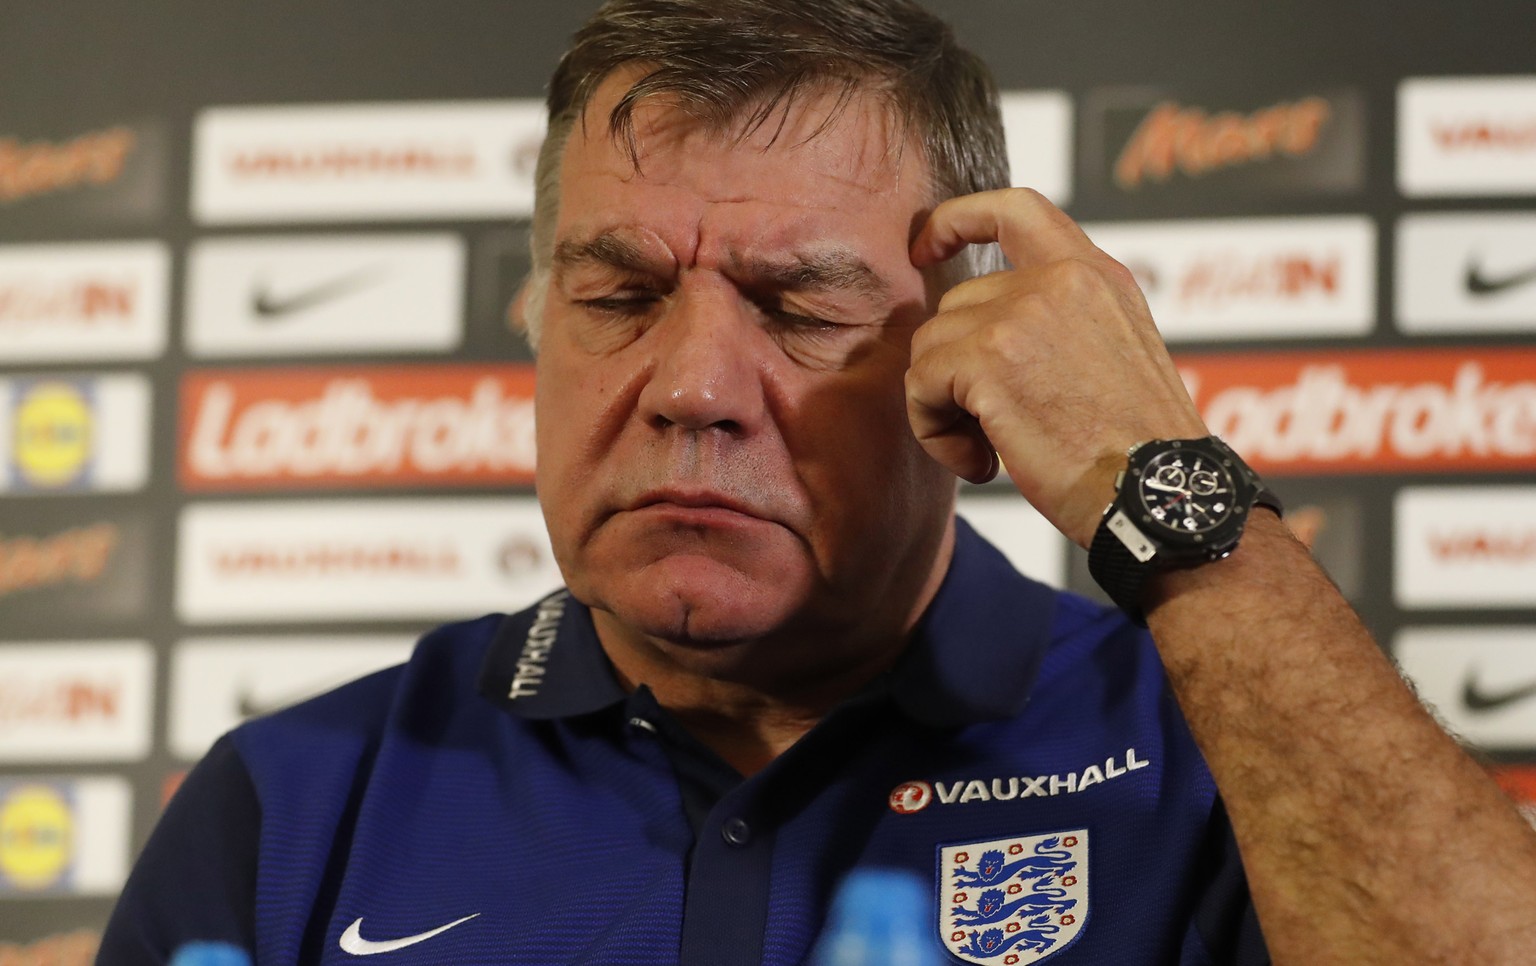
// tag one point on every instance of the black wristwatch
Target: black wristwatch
(1178, 503)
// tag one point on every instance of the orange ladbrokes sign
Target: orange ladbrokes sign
(1412, 410)
(357, 427)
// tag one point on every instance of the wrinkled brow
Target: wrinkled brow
(605, 249)
(831, 269)
(825, 270)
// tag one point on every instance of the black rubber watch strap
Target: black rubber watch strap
(1117, 570)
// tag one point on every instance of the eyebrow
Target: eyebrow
(607, 248)
(828, 269)
(834, 269)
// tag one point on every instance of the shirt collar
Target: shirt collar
(546, 662)
(973, 657)
(975, 652)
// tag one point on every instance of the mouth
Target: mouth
(697, 505)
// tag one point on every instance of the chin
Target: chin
(702, 602)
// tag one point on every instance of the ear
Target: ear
(517, 319)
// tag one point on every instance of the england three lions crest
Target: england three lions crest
(1013, 901)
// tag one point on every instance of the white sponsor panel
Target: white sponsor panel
(75, 701)
(1466, 546)
(275, 296)
(216, 683)
(1262, 278)
(1481, 680)
(361, 559)
(338, 162)
(72, 433)
(83, 301)
(1025, 537)
(65, 836)
(1038, 128)
(1466, 136)
(1467, 273)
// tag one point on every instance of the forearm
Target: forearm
(1369, 837)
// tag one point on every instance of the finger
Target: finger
(950, 434)
(974, 291)
(1030, 230)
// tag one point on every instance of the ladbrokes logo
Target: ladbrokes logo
(363, 427)
(1312, 142)
(1366, 412)
(42, 167)
(321, 163)
(1467, 136)
(1519, 783)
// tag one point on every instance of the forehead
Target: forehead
(817, 165)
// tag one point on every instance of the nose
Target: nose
(708, 367)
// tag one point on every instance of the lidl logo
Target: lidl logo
(53, 432)
(37, 836)
(74, 433)
(63, 836)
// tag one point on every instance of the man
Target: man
(781, 657)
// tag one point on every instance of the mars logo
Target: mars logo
(1013, 901)
(1187, 140)
(910, 797)
(36, 838)
(43, 167)
(52, 434)
(77, 555)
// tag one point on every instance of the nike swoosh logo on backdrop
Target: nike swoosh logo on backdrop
(1477, 699)
(1480, 284)
(270, 307)
(352, 940)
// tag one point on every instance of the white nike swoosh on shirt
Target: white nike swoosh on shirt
(352, 940)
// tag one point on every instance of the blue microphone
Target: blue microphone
(210, 954)
(879, 917)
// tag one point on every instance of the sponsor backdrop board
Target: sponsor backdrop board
(262, 422)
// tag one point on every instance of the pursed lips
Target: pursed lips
(701, 506)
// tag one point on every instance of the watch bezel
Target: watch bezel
(1174, 545)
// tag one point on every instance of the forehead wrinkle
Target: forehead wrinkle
(834, 269)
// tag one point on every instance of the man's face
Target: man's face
(724, 453)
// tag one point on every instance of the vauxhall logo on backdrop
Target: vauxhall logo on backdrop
(1150, 144)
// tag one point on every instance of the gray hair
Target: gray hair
(741, 62)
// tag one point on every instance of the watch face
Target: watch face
(1186, 491)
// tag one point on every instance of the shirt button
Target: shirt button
(736, 832)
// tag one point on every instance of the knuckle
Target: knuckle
(1001, 338)
(1024, 197)
(1074, 276)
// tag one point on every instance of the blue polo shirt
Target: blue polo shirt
(501, 799)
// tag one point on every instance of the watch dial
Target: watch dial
(1187, 492)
